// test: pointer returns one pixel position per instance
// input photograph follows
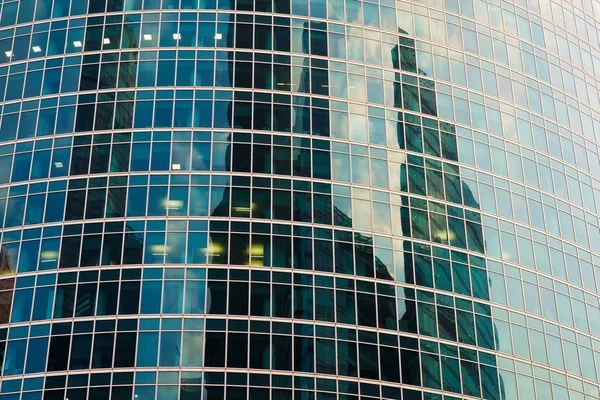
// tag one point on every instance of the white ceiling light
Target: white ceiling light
(106, 40)
(173, 204)
(77, 43)
(219, 36)
(8, 53)
(36, 49)
(49, 256)
(177, 36)
(147, 36)
(58, 164)
(176, 166)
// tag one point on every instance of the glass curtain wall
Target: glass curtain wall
(299, 199)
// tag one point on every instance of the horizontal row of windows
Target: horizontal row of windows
(239, 202)
(260, 74)
(322, 356)
(388, 20)
(275, 300)
(166, 113)
(120, 162)
(278, 251)
(518, 335)
(578, 270)
(188, 387)
(547, 349)
(381, 267)
(48, 256)
(365, 14)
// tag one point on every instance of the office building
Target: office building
(294, 199)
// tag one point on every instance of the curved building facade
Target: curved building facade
(299, 199)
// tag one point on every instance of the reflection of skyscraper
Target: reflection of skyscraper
(404, 59)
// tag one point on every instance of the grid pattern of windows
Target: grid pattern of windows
(299, 199)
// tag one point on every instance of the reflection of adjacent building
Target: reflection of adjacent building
(364, 261)
(404, 59)
(6, 286)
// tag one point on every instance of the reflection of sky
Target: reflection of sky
(360, 170)
(335, 9)
(373, 51)
(355, 48)
(362, 214)
(357, 88)
(382, 218)
(358, 128)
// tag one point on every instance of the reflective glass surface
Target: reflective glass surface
(299, 199)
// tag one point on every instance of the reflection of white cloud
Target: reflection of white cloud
(356, 87)
(360, 170)
(297, 78)
(454, 36)
(200, 162)
(335, 9)
(338, 84)
(355, 48)
(340, 170)
(362, 214)
(382, 218)
(373, 51)
(358, 128)
(192, 354)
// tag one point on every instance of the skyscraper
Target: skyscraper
(294, 199)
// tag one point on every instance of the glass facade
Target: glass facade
(299, 199)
